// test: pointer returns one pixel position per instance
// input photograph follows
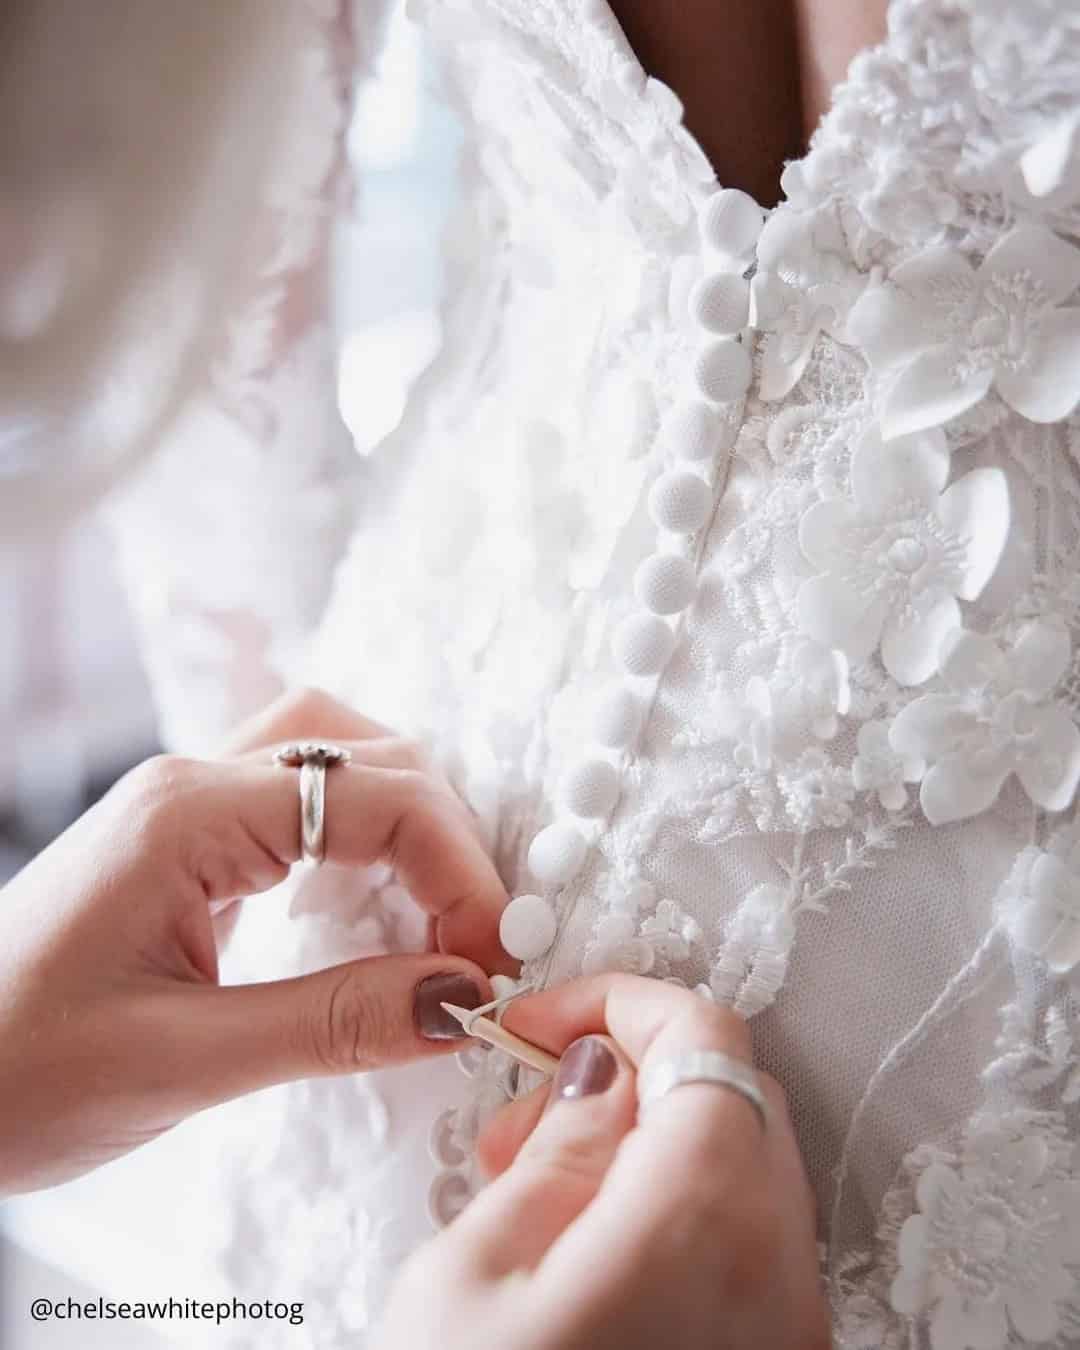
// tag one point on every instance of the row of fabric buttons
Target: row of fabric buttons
(681, 502)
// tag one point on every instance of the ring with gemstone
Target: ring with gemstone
(701, 1066)
(312, 758)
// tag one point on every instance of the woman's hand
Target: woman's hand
(112, 1023)
(693, 1228)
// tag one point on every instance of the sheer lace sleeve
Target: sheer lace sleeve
(228, 537)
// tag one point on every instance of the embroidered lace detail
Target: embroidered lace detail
(997, 719)
(940, 333)
(896, 557)
(991, 1242)
(744, 552)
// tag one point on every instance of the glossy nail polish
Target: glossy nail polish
(586, 1068)
(433, 1022)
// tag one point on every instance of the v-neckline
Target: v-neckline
(842, 91)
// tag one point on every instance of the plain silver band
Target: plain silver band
(313, 809)
(701, 1066)
(312, 758)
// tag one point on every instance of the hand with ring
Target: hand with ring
(652, 1194)
(113, 1026)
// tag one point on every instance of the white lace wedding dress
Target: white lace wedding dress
(737, 552)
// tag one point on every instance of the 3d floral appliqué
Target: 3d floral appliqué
(1040, 904)
(990, 1248)
(941, 333)
(816, 792)
(1046, 162)
(640, 934)
(808, 693)
(878, 768)
(805, 285)
(997, 719)
(894, 559)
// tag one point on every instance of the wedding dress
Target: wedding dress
(727, 560)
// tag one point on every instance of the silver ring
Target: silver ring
(701, 1066)
(312, 758)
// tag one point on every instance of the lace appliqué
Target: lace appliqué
(997, 719)
(940, 333)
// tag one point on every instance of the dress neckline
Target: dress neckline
(601, 13)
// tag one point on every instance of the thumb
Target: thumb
(558, 1170)
(362, 1015)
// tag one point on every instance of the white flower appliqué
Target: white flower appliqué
(895, 558)
(878, 768)
(805, 284)
(997, 720)
(1040, 904)
(817, 792)
(615, 945)
(639, 935)
(671, 932)
(813, 687)
(809, 691)
(1046, 163)
(990, 1248)
(942, 333)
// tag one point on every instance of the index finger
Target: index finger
(653, 1021)
(374, 813)
(648, 1018)
(640, 1014)
(699, 1157)
(302, 714)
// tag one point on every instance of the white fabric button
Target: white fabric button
(690, 431)
(557, 853)
(722, 370)
(680, 501)
(665, 583)
(502, 986)
(731, 222)
(643, 644)
(527, 927)
(721, 303)
(472, 1058)
(442, 1146)
(618, 718)
(592, 788)
(448, 1196)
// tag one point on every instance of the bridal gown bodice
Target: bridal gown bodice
(741, 548)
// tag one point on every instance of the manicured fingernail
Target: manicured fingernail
(432, 1020)
(586, 1068)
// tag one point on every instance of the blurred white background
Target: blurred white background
(75, 706)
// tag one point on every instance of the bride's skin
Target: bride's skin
(755, 76)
